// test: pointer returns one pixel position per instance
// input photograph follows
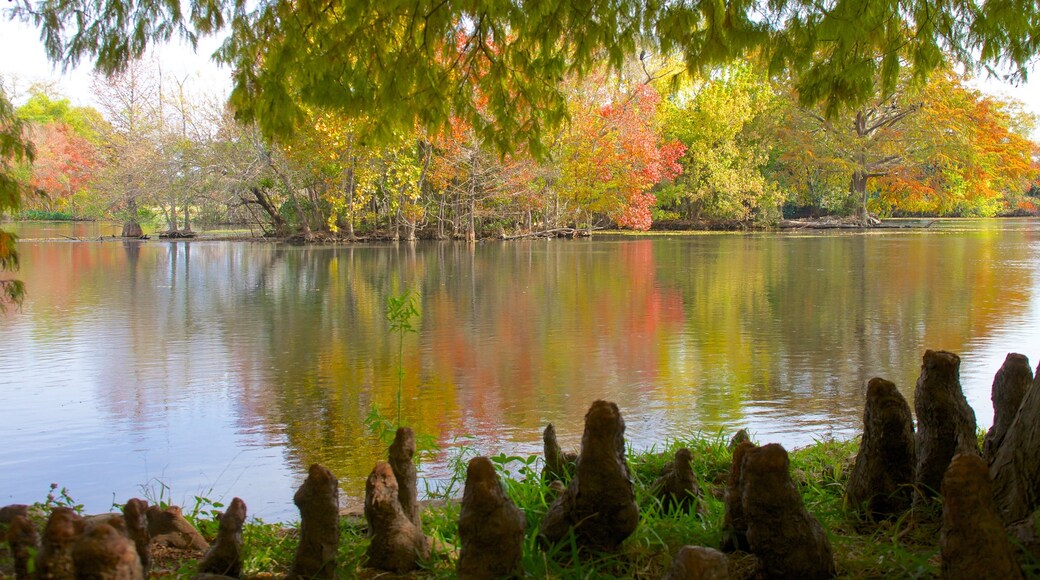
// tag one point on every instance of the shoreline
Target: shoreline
(236, 234)
(898, 547)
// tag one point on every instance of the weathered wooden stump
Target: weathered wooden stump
(973, 543)
(781, 532)
(54, 561)
(738, 438)
(225, 555)
(677, 488)
(24, 542)
(135, 516)
(945, 421)
(558, 465)
(734, 522)
(132, 229)
(105, 553)
(402, 455)
(318, 501)
(881, 481)
(1009, 388)
(599, 503)
(1025, 534)
(396, 544)
(168, 527)
(698, 563)
(491, 527)
(1015, 469)
(8, 512)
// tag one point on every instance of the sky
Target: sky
(22, 58)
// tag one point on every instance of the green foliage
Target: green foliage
(42, 108)
(395, 64)
(401, 311)
(45, 215)
(15, 150)
(721, 121)
(57, 498)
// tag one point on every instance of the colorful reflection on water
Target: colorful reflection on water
(226, 368)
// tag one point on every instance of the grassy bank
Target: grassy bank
(892, 549)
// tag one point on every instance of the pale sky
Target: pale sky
(22, 55)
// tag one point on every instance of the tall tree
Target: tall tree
(867, 142)
(975, 159)
(720, 120)
(613, 154)
(65, 163)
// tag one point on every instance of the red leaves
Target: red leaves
(614, 154)
(65, 161)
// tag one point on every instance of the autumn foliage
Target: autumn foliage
(65, 162)
(977, 160)
(613, 154)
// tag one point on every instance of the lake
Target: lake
(171, 370)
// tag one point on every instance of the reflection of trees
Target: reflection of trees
(683, 333)
(805, 322)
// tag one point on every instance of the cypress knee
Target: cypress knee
(491, 527)
(882, 478)
(318, 501)
(135, 514)
(402, 460)
(225, 555)
(396, 544)
(1015, 469)
(973, 542)
(104, 553)
(1009, 388)
(945, 421)
(788, 540)
(54, 561)
(599, 503)
(734, 524)
(24, 541)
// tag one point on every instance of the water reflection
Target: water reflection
(226, 368)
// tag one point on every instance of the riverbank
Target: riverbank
(88, 230)
(900, 548)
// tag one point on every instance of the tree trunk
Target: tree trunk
(272, 212)
(858, 191)
(471, 232)
(132, 229)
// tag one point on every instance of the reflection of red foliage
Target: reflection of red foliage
(653, 313)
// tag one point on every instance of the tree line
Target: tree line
(646, 143)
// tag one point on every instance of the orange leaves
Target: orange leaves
(976, 160)
(613, 154)
(65, 161)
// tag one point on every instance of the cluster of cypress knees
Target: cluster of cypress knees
(988, 497)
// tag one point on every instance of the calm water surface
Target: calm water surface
(226, 368)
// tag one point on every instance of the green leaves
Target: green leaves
(497, 65)
(401, 310)
(15, 149)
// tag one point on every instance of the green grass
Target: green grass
(907, 547)
(45, 215)
(889, 549)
